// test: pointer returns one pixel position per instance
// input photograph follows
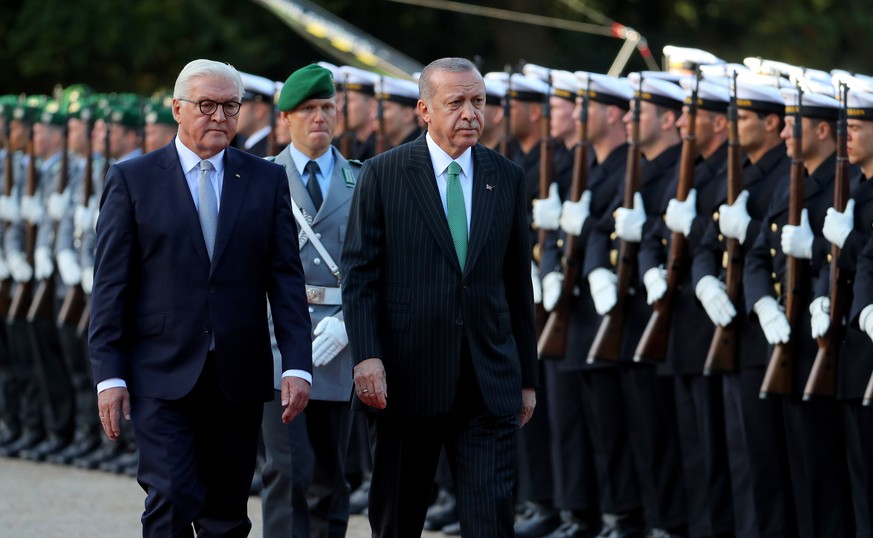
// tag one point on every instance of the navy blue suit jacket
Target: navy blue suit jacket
(157, 299)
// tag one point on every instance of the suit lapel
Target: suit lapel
(179, 195)
(484, 183)
(422, 182)
(337, 192)
(233, 193)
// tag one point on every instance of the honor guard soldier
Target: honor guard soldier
(311, 450)
(359, 111)
(493, 130)
(255, 115)
(698, 399)
(160, 126)
(851, 231)
(399, 100)
(755, 438)
(814, 435)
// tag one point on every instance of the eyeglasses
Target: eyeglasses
(208, 106)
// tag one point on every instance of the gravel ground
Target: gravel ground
(52, 501)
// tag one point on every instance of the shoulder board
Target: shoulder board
(349, 177)
(271, 158)
(355, 162)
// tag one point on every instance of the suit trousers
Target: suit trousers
(535, 481)
(197, 459)
(763, 505)
(481, 449)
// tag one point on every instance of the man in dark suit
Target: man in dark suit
(438, 300)
(191, 240)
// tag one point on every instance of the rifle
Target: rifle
(8, 182)
(777, 379)
(41, 306)
(546, 170)
(21, 296)
(607, 342)
(652, 346)
(722, 355)
(347, 137)
(553, 340)
(381, 142)
(506, 142)
(74, 301)
(822, 378)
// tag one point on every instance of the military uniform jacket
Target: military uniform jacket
(764, 271)
(604, 180)
(691, 329)
(760, 180)
(332, 381)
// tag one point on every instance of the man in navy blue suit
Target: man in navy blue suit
(191, 241)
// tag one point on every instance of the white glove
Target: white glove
(9, 209)
(4, 270)
(838, 225)
(574, 214)
(537, 285)
(680, 215)
(711, 293)
(552, 284)
(69, 268)
(797, 240)
(87, 280)
(629, 222)
(547, 212)
(18, 266)
(330, 339)
(734, 219)
(31, 209)
(604, 289)
(42, 263)
(773, 321)
(865, 320)
(82, 218)
(655, 280)
(820, 309)
(57, 204)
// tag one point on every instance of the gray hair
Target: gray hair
(206, 68)
(450, 65)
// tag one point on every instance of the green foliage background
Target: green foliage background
(140, 45)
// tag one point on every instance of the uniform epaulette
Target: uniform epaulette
(355, 162)
(271, 158)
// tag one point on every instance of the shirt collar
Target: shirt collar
(441, 159)
(324, 161)
(191, 160)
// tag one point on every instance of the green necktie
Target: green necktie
(457, 213)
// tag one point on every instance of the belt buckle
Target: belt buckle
(314, 295)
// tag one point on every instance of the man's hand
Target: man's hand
(797, 240)
(330, 339)
(574, 214)
(680, 215)
(112, 404)
(547, 212)
(528, 404)
(655, 280)
(535, 283)
(820, 312)
(603, 285)
(773, 322)
(371, 386)
(838, 225)
(734, 219)
(553, 283)
(712, 295)
(295, 396)
(629, 222)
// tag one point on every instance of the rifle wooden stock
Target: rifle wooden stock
(41, 305)
(780, 370)
(84, 321)
(652, 346)
(553, 339)
(546, 170)
(23, 290)
(381, 140)
(722, 354)
(606, 346)
(822, 379)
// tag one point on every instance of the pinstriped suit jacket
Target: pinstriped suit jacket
(406, 299)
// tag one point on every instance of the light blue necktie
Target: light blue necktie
(456, 212)
(208, 207)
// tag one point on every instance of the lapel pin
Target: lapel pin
(488, 187)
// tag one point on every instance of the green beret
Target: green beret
(53, 114)
(129, 115)
(29, 110)
(310, 82)
(7, 105)
(159, 110)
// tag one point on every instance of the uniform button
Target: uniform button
(311, 310)
(830, 258)
(459, 322)
(316, 261)
(772, 252)
(613, 236)
(664, 242)
(773, 275)
(715, 216)
(774, 227)
(318, 235)
(560, 243)
(720, 238)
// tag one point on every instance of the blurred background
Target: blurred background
(140, 45)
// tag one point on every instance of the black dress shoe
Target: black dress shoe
(452, 529)
(106, 452)
(77, 449)
(360, 498)
(542, 521)
(27, 440)
(442, 512)
(119, 463)
(9, 434)
(626, 525)
(51, 445)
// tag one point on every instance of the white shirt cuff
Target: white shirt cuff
(111, 383)
(302, 374)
